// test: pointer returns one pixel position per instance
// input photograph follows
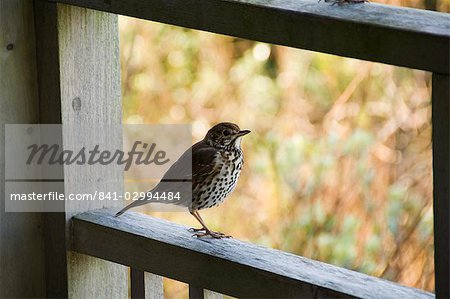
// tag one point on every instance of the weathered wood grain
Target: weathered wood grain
(90, 96)
(400, 36)
(79, 81)
(441, 179)
(21, 241)
(154, 288)
(227, 266)
(212, 295)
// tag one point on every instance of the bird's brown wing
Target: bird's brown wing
(194, 163)
(188, 171)
(183, 176)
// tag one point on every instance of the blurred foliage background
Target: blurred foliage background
(338, 164)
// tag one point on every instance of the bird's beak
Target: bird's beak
(242, 133)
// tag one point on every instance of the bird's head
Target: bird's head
(225, 135)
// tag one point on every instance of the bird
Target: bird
(211, 167)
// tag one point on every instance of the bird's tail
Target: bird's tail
(184, 190)
(136, 203)
(122, 211)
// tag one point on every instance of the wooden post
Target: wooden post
(441, 180)
(79, 80)
(21, 242)
(54, 224)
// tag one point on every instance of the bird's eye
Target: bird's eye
(226, 132)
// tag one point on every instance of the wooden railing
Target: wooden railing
(74, 67)
(400, 36)
(228, 266)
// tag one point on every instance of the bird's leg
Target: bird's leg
(194, 230)
(207, 232)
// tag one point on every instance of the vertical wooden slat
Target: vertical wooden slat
(47, 56)
(79, 81)
(154, 288)
(137, 284)
(90, 96)
(212, 295)
(21, 248)
(50, 113)
(195, 292)
(441, 181)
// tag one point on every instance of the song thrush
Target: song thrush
(216, 165)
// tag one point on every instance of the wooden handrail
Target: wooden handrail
(395, 35)
(228, 266)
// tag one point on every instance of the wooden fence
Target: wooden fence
(61, 62)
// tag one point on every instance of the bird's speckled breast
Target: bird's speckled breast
(226, 174)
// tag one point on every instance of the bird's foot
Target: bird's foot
(215, 235)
